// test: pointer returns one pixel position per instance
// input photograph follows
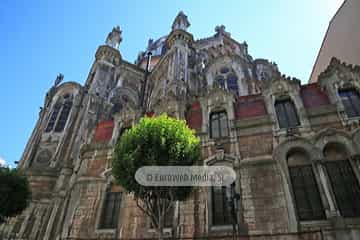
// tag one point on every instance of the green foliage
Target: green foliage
(158, 141)
(14, 192)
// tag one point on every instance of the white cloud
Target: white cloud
(2, 161)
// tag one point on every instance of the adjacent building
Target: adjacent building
(341, 40)
(295, 148)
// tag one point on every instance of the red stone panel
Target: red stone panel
(313, 96)
(104, 130)
(250, 106)
(194, 116)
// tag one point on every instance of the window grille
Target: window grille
(345, 186)
(307, 196)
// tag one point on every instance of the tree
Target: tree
(158, 141)
(14, 192)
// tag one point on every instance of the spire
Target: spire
(180, 22)
(114, 38)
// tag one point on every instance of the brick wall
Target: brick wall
(263, 200)
(249, 106)
(313, 96)
(255, 145)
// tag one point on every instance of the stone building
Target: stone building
(295, 148)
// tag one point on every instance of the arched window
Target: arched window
(228, 75)
(286, 113)
(111, 208)
(218, 125)
(221, 81)
(60, 114)
(351, 101)
(53, 117)
(232, 83)
(343, 180)
(220, 208)
(307, 197)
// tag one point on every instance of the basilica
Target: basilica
(295, 147)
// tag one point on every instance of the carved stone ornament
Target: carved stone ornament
(180, 22)
(114, 38)
(43, 157)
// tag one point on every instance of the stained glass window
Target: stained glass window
(60, 114)
(53, 117)
(232, 83)
(60, 125)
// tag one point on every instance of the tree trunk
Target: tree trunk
(160, 227)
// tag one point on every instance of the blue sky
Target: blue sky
(39, 39)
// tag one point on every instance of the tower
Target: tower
(179, 42)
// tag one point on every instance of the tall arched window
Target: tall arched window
(60, 114)
(343, 180)
(111, 208)
(286, 113)
(220, 208)
(53, 117)
(307, 197)
(351, 101)
(218, 125)
(232, 83)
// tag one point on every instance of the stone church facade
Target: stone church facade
(295, 148)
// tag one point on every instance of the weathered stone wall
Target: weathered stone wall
(262, 197)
